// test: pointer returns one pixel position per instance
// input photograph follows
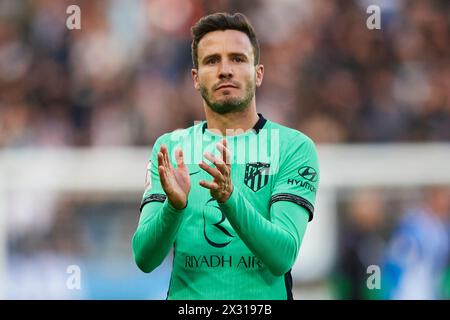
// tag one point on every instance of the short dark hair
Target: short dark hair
(222, 21)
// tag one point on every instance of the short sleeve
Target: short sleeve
(153, 189)
(297, 180)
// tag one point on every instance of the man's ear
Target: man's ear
(259, 74)
(194, 73)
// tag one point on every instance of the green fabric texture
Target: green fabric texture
(243, 248)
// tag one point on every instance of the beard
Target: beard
(229, 104)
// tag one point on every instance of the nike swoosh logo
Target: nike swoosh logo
(191, 174)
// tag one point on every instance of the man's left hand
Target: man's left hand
(221, 187)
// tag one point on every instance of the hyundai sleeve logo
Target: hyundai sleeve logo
(308, 173)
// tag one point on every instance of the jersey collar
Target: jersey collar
(258, 126)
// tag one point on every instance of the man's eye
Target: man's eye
(211, 61)
(238, 59)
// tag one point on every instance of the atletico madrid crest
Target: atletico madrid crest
(256, 175)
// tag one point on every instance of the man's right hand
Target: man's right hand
(176, 183)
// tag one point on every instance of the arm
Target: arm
(161, 209)
(155, 234)
(277, 242)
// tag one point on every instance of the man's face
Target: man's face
(226, 76)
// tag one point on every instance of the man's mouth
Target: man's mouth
(226, 86)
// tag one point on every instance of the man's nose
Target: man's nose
(225, 70)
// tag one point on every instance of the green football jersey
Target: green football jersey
(245, 247)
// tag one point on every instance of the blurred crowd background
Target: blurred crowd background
(124, 79)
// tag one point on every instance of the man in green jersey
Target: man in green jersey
(233, 194)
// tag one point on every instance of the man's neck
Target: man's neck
(231, 123)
